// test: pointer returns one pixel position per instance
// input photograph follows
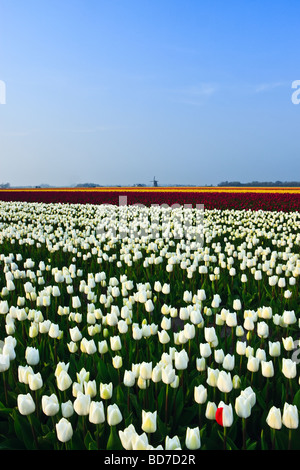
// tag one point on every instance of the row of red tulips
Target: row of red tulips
(268, 200)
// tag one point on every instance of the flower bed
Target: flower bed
(129, 327)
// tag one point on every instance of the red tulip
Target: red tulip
(219, 416)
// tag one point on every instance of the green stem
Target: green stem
(166, 406)
(5, 387)
(273, 434)
(33, 432)
(290, 439)
(244, 433)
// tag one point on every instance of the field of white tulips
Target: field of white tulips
(131, 328)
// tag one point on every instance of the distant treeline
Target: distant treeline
(284, 184)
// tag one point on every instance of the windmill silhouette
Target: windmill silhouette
(154, 182)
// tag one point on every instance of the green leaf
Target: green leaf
(113, 442)
(296, 400)
(4, 410)
(251, 445)
(230, 445)
(12, 444)
(161, 400)
(23, 430)
(89, 442)
(179, 404)
(263, 441)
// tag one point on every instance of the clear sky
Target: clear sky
(118, 91)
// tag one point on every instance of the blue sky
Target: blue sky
(116, 92)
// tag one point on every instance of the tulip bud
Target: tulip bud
(224, 381)
(117, 362)
(33, 330)
(163, 336)
(219, 355)
(26, 404)
(90, 388)
(96, 412)
(156, 375)
(172, 443)
(76, 302)
(243, 406)
(102, 346)
(149, 306)
(4, 307)
(64, 381)
(274, 418)
(82, 404)
(205, 350)
(175, 383)
(168, 374)
(228, 362)
(75, 334)
(239, 330)
(262, 329)
(149, 421)
(224, 414)
(54, 331)
(106, 391)
(64, 430)
(129, 378)
(166, 288)
(237, 304)
(4, 362)
(236, 382)
(50, 405)
(146, 370)
(289, 317)
(181, 359)
(289, 368)
(212, 376)
(249, 393)
(200, 394)
(253, 363)
(115, 343)
(126, 437)
(137, 333)
(67, 409)
(241, 347)
(141, 383)
(200, 364)
(189, 331)
(267, 368)
(32, 356)
(281, 282)
(290, 417)
(192, 438)
(35, 381)
(249, 324)
(166, 323)
(288, 343)
(114, 415)
(211, 409)
(140, 442)
(274, 348)
(210, 335)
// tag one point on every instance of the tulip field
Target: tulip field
(149, 327)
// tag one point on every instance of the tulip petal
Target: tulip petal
(219, 416)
